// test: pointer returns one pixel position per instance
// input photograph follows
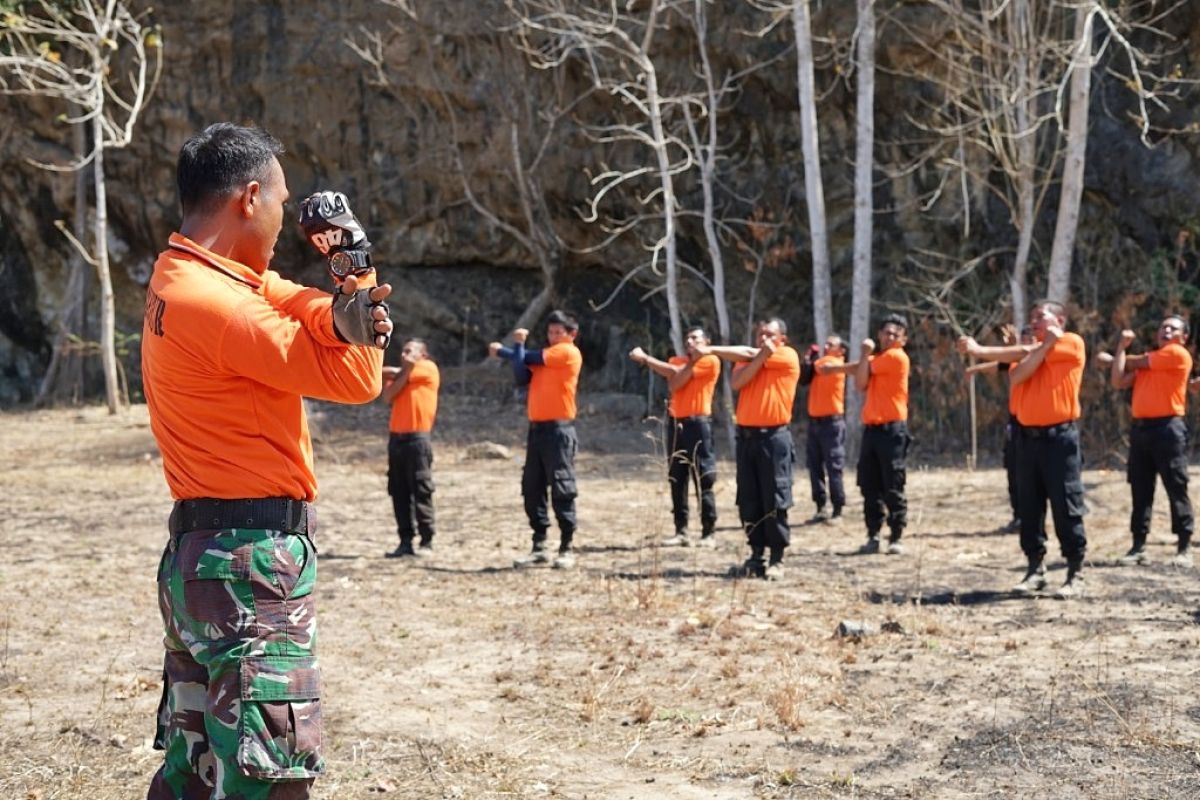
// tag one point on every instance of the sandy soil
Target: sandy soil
(644, 673)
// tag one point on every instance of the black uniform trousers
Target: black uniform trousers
(410, 483)
(826, 457)
(1159, 448)
(550, 464)
(764, 487)
(1048, 469)
(882, 476)
(1011, 433)
(692, 461)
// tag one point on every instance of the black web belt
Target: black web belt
(266, 513)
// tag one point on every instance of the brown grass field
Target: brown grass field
(644, 673)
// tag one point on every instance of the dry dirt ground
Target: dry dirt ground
(644, 673)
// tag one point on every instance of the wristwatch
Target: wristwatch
(349, 262)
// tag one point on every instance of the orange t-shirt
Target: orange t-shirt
(694, 398)
(1051, 394)
(827, 393)
(415, 407)
(1015, 390)
(766, 401)
(552, 387)
(1160, 388)
(227, 354)
(887, 390)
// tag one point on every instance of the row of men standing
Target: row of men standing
(765, 376)
(1042, 455)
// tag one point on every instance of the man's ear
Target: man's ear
(250, 198)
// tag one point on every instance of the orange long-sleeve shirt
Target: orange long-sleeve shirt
(227, 355)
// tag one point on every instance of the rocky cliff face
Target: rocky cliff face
(399, 110)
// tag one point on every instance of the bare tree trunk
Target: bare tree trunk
(1062, 252)
(708, 157)
(64, 376)
(822, 291)
(864, 200)
(536, 309)
(1021, 28)
(108, 352)
(668, 201)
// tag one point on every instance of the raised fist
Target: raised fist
(637, 355)
(1127, 337)
(813, 353)
(867, 347)
(1053, 334)
(331, 227)
(966, 345)
(520, 335)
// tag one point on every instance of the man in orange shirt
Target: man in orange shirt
(412, 389)
(691, 380)
(1158, 440)
(765, 379)
(1048, 455)
(228, 350)
(826, 448)
(882, 459)
(553, 377)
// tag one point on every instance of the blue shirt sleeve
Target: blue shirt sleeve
(521, 360)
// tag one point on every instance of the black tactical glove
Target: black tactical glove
(354, 320)
(331, 227)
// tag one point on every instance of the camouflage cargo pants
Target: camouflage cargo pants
(241, 715)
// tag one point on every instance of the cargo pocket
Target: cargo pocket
(564, 484)
(279, 728)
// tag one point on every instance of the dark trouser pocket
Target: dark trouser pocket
(279, 728)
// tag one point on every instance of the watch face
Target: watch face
(340, 264)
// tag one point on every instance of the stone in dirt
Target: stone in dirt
(484, 451)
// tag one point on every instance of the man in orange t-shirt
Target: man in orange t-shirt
(412, 389)
(883, 456)
(826, 448)
(552, 375)
(1048, 454)
(765, 379)
(229, 349)
(691, 380)
(1158, 439)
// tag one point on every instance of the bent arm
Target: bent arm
(837, 369)
(734, 352)
(746, 374)
(267, 345)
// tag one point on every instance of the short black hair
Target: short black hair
(1187, 327)
(560, 317)
(894, 319)
(221, 159)
(691, 328)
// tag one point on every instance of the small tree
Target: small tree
(99, 59)
(614, 47)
